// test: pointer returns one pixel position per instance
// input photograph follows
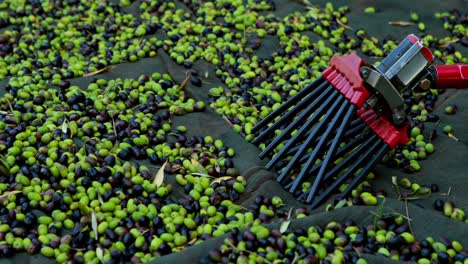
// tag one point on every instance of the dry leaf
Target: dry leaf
(218, 180)
(187, 78)
(284, 226)
(199, 167)
(401, 23)
(290, 212)
(9, 193)
(448, 43)
(105, 69)
(200, 174)
(191, 242)
(94, 224)
(342, 24)
(99, 196)
(64, 127)
(159, 178)
(217, 167)
(99, 254)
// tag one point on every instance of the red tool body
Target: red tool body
(335, 130)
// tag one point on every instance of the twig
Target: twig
(187, 78)
(448, 192)
(105, 69)
(407, 215)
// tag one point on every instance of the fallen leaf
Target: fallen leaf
(217, 167)
(191, 242)
(218, 180)
(159, 178)
(200, 174)
(99, 197)
(9, 193)
(198, 166)
(94, 224)
(448, 43)
(64, 127)
(284, 226)
(342, 24)
(420, 193)
(105, 69)
(99, 254)
(401, 23)
(290, 212)
(340, 204)
(187, 78)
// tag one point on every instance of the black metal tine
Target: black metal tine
(314, 168)
(299, 107)
(343, 150)
(297, 97)
(319, 146)
(307, 112)
(356, 121)
(383, 148)
(352, 131)
(318, 178)
(349, 134)
(342, 178)
(311, 121)
(350, 158)
(306, 144)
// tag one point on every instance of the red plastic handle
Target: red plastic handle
(452, 76)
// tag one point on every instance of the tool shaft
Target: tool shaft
(451, 76)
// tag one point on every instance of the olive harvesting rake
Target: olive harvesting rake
(337, 128)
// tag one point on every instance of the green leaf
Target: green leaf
(284, 226)
(64, 127)
(198, 166)
(94, 224)
(340, 204)
(100, 254)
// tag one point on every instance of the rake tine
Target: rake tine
(325, 136)
(350, 158)
(299, 107)
(313, 170)
(342, 151)
(383, 148)
(308, 141)
(300, 95)
(299, 119)
(354, 129)
(330, 152)
(350, 133)
(342, 178)
(300, 133)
